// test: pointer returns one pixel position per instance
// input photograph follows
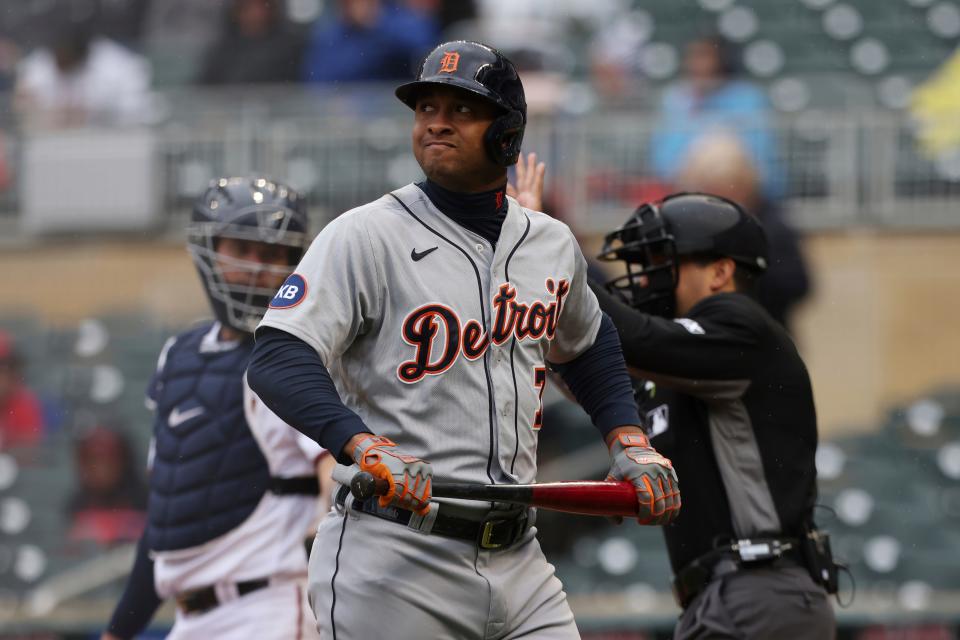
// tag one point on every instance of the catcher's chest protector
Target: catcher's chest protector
(208, 473)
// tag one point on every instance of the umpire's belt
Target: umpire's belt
(206, 598)
(740, 554)
(495, 530)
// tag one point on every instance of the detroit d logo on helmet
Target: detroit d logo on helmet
(449, 62)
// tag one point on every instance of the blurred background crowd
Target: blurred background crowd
(836, 122)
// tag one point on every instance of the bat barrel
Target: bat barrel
(592, 498)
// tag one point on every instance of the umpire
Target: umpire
(728, 399)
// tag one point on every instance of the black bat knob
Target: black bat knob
(363, 486)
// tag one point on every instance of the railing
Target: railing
(842, 168)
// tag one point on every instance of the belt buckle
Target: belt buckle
(487, 533)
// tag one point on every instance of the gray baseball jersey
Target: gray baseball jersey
(434, 338)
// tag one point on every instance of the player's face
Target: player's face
(232, 250)
(448, 131)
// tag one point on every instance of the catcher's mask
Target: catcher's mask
(256, 209)
(649, 254)
(657, 235)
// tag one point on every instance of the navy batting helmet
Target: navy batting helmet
(657, 234)
(255, 209)
(485, 72)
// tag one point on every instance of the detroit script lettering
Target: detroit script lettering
(421, 330)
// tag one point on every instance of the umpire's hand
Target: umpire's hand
(652, 475)
(409, 477)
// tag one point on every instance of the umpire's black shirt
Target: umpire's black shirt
(733, 409)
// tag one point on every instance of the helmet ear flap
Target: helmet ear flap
(503, 138)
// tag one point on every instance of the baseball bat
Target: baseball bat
(584, 497)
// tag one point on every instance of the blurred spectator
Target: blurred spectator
(110, 500)
(256, 45)
(369, 40)
(936, 110)
(720, 165)
(177, 35)
(508, 24)
(82, 80)
(712, 97)
(615, 55)
(21, 415)
(446, 12)
(123, 21)
(9, 56)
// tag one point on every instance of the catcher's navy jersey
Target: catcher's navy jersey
(435, 338)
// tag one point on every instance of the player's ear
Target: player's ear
(721, 276)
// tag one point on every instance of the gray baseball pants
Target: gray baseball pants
(370, 578)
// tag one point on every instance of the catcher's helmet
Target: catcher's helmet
(483, 71)
(684, 224)
(256, 209)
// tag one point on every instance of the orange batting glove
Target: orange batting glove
(409, 477)
(652, 475)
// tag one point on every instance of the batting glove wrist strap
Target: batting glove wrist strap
(409, 477)
(652, 475)
(366, 443)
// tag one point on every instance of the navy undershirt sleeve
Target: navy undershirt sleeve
(289, 376)
(139, 600)
(599, 381)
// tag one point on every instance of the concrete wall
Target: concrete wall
(881, 326)
(64, 282)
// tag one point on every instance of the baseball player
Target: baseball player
(729, 398)
(413, 340)
(233, 490)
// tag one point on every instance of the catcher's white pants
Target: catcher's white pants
(370, 578)
(278, 612)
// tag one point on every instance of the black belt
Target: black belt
(741, 554)
(496, 530)
(295, 486)
(205, 598)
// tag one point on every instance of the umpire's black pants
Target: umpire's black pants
(763, 603)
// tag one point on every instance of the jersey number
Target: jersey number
(539, 381)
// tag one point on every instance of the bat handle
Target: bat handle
(364, 486)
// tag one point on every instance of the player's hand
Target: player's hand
(109, 636)
(529, 188)
(409, 477)
(652, 475)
